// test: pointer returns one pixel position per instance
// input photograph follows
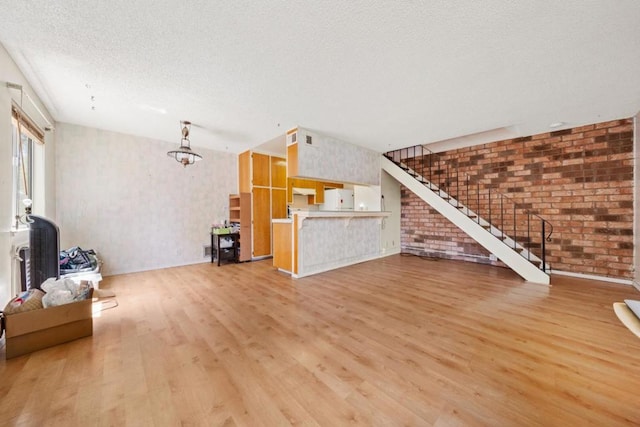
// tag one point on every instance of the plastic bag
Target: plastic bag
(59, 292)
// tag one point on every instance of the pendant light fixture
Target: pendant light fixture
(184, 154)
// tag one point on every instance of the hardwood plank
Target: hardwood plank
(397, 341)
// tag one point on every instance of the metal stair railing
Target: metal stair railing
(513, 223)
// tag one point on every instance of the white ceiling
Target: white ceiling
(382, 74)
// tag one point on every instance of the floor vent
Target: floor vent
(206, 251)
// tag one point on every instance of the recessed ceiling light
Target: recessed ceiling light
(557, 124)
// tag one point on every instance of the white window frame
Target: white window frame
(24, 168)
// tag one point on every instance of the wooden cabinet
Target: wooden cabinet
(318, 186)
(244, 172)
(261, 221)
(278, 203)
(263, 176)
(278, 172)
(320, 190)
(282, 246)
(260, 170)
(292, 160)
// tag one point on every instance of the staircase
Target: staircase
(507, 230)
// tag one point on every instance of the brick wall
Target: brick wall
(580, 180)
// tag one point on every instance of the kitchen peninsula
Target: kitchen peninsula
(315, 241)
(336, 207)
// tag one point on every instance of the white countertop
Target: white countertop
(340, 214)
(331, 214)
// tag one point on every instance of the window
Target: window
(26, 137)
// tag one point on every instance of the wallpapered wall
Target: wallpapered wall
(333, 160)
(350, 240)
(122, 196)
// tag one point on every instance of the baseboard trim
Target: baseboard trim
(593, 277)
(342, 265)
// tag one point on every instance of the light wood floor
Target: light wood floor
(399, 341)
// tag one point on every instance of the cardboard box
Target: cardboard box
(37, 329)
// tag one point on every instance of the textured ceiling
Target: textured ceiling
(382, 74)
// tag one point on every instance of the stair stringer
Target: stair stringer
(486, 239)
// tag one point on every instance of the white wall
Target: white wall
(6, 180)
(366, 198)
(122, 196)
(390, 239)
(9, 72)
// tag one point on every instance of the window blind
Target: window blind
(27, 124)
